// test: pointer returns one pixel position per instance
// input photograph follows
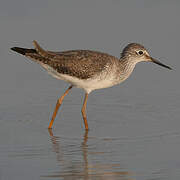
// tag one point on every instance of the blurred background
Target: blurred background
(134, 127)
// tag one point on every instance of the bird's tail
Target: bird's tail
(24, 51)
(34, 54)
(37, 52)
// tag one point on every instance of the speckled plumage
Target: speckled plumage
(82, 64)
(86, 69)
(129, 49)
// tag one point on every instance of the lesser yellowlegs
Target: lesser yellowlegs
(89, 70)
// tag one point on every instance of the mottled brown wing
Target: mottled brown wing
(82, 64)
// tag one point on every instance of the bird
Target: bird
(87, 69)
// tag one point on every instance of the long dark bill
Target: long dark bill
(159, 63)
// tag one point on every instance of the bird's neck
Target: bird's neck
(128, 64)
(126, 67)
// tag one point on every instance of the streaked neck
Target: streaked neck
(128, 64)
(126, 67)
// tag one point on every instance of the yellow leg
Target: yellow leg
(83, 110)
(58, 104)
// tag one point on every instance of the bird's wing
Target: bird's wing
(82, 64)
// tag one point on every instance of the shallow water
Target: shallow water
(134, 127)
(126, 140)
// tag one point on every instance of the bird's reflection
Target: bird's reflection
(80, 168)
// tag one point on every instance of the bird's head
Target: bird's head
(137, 53)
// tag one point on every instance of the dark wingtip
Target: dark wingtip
(19, 50)
(23, 51)
(13, 48)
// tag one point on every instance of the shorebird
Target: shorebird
(89, 70)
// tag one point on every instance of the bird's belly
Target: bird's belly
(92, 84)
(87, 84)
(97, 82)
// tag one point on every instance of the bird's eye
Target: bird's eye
(140, 52)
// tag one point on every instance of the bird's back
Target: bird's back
(82, 64)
